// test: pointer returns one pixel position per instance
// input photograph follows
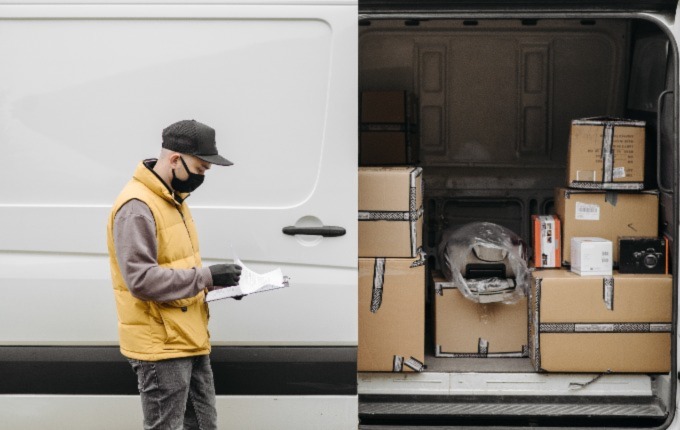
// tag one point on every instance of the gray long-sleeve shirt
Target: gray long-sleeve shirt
(134, 237)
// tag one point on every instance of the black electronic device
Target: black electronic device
(488, 270)
(643, 255)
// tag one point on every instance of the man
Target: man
(159, 284)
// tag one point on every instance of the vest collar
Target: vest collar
(144, 173)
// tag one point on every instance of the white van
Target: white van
(87, 86)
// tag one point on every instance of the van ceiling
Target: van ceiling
(519, 6)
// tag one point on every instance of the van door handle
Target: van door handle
(325, 231)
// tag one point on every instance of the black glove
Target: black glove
(225, 275)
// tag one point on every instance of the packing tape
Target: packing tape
(607, 153)
(605, 328)
(414, 364)
(378, 281)
(608, 292)
(412, 195)
(398, 363)
(483, 347)
(619, 186)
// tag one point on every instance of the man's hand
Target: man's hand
(225, 275)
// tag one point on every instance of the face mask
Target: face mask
(188, 185)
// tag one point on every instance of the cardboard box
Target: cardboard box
(377, 148)
(391, 315)
(390, 211)
(389, 129)
(464, 328)
(547, 237)
(605, 214)
(606, 154)
(599, 324)
(591, 256)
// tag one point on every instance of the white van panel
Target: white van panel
(85, 97)
(233, 412)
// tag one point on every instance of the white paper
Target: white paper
(619, 172)
(585, 211)
(250, 282)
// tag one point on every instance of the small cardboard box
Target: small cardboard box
(605, 214)
(606, 154)
(547, 237)
(390, 211)
(591, 256)
(599, 324)
(388, 125)
(464, 328)
(391, 315)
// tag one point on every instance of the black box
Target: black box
(643, 255)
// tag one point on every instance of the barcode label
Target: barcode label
(588, 212)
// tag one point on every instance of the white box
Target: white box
(591, 256)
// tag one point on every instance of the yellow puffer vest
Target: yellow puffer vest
(155, 331)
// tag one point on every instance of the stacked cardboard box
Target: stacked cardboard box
(390, 211)
(391, 315)
(606, 214)
(600, 324)
(391, 270)
(465, 329)
(388, 128)
(606, 154)
(605, 323)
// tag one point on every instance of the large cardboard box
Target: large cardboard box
(390, 211)
(388, 128)
(391, 315)
(606, 154)
(600, 324)
(606, 214)
(464, 328)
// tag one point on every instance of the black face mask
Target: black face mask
(188, 185)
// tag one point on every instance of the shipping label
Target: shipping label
(587, 212)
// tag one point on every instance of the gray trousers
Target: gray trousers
(177, 394)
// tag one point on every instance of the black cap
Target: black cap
(193, 138)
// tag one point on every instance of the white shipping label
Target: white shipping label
(588, 212)
(619, 172)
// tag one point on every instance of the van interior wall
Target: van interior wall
(497, 98)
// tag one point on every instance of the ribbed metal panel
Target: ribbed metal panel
(510, 409)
